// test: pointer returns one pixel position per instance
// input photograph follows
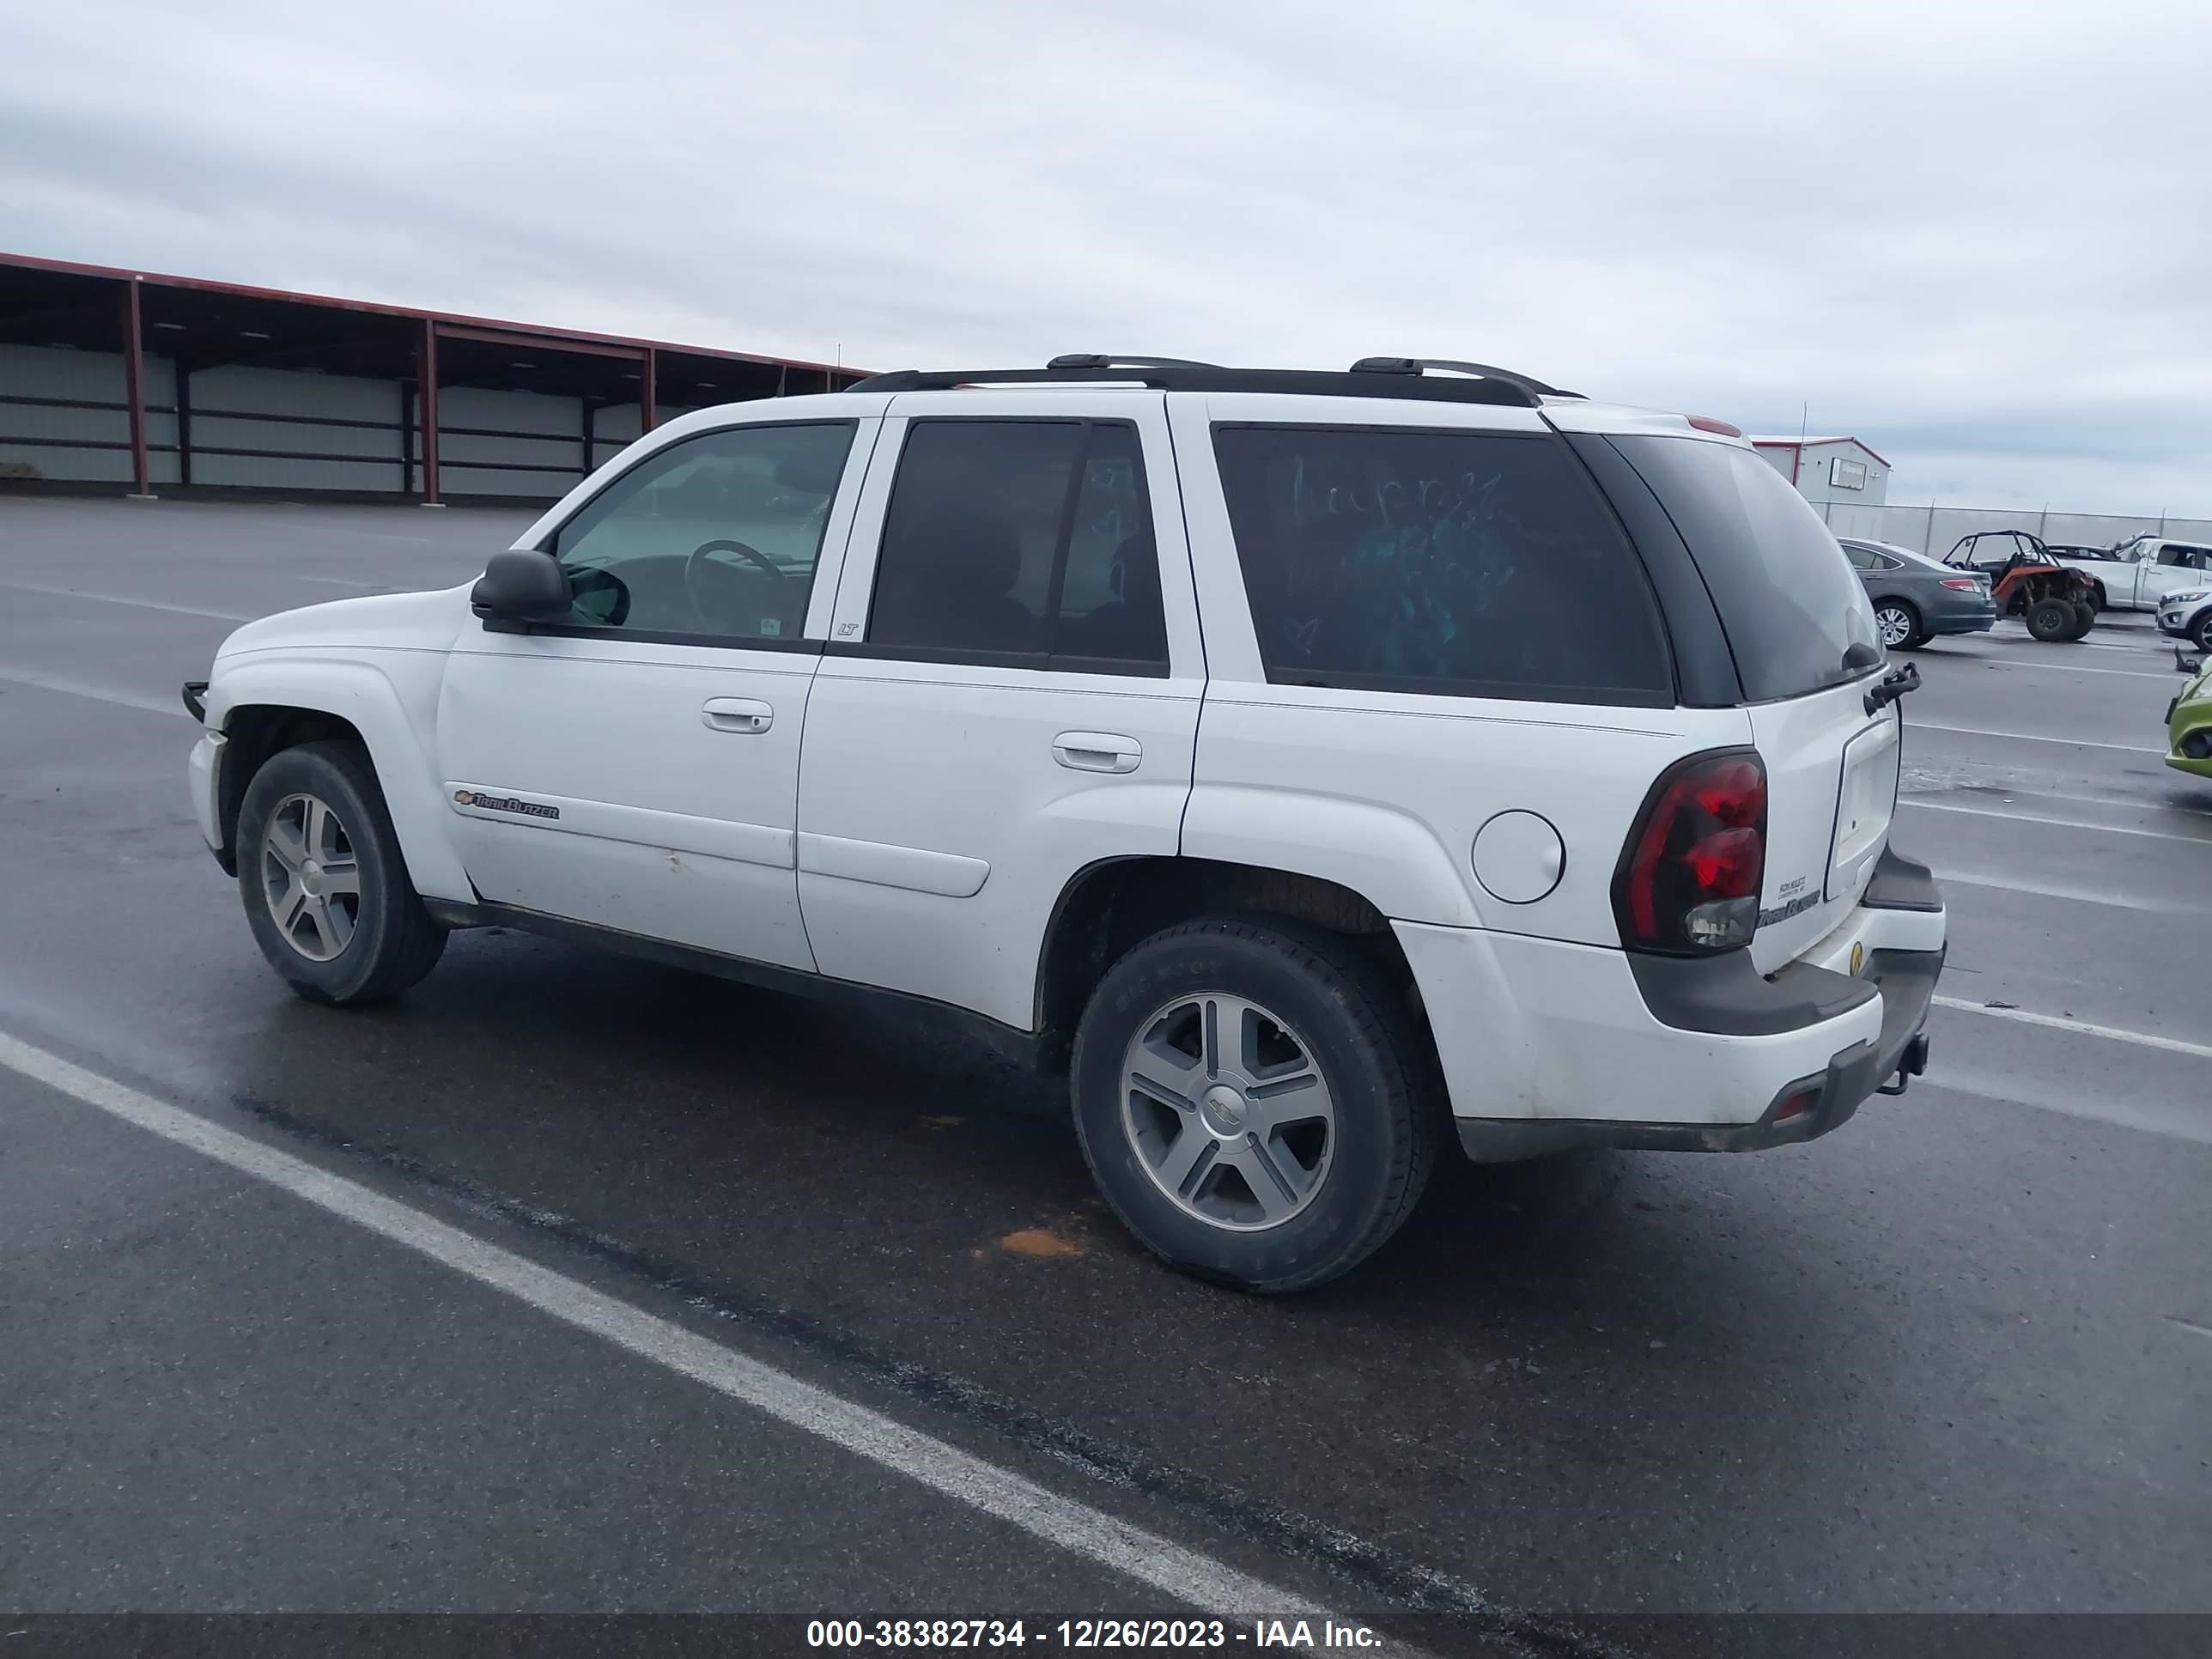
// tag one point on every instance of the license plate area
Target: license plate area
(1865, 804)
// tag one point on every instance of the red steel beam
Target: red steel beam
(135, 387)
(542, 338)
(427, 400)
(521, 342)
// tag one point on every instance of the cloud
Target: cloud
(1971, 234)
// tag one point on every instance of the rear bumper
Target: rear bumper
(1803, 1108)
(1977, 622)
(1595, 1050)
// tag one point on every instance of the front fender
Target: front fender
(392, 704)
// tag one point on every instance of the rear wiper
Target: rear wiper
(1893, 685)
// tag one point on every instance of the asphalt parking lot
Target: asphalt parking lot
(1956, 1358)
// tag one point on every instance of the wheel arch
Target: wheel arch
(263, 709)
(1108, 906)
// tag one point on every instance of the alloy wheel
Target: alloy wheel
(1228, 1111)
(310, 877)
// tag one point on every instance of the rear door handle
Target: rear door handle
(1097, 751)
(739, 714)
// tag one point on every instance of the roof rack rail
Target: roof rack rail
(1419, 365)
(1172, 374)
(1101, 360)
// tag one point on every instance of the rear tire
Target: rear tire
(2051, 620)
(324, 885)
(1901, 627)
(1215, 1152)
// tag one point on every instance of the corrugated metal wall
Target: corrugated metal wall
(316, 431)
(63, 418)
(71, 424)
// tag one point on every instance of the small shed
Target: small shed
(1844, 471)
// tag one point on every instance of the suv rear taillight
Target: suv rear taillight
(1689, 879)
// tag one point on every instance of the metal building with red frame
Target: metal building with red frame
(152, 382)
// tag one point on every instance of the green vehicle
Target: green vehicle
(2189, 719)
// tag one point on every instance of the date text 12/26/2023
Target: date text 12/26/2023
(1088, 1633)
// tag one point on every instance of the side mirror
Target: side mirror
(521, 586)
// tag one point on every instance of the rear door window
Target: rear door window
(1790, 601)
(1472, 563)
(1024, 543)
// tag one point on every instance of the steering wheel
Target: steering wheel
(698, 562)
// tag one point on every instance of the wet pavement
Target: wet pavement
(1956, 1357)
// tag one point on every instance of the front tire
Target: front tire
(2087, 614)
(2201, 631)
(324, 885)
(1254, 1103)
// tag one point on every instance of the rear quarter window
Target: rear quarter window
(1469, 564)
(1789, 600)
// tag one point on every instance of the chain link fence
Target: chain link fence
(1937, 530)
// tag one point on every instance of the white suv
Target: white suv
(1307, 765)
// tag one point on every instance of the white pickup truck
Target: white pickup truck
(2139, 575)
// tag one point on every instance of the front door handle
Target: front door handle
(1097, 751)
(739, 714)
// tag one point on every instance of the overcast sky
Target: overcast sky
(1978, 236)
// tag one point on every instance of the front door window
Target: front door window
(714, 539)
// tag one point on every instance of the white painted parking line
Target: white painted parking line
(2179, 1122)
(139, 604)
(2072, 668)
(1996, 884)
(1913, 724)
(2039, 794)
(70, 688)
(1191, 1578)
(2056, 1022)
(1976, 645)
(2058, 823)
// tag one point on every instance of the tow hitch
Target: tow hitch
(1910, 1065)
(1894, 685)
